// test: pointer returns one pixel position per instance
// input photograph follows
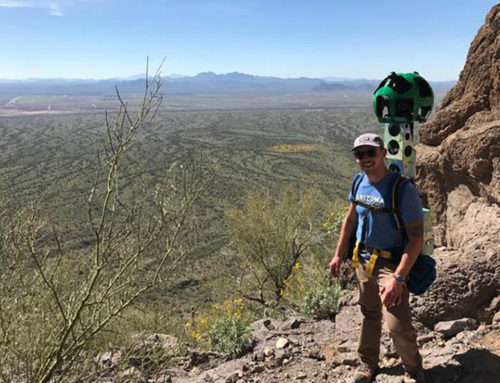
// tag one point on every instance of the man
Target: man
(382, 291)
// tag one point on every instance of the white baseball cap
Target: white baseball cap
(368, 139)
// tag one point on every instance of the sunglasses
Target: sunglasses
(359, 154)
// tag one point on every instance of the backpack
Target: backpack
(423, 272)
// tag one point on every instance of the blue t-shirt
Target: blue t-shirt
(381, 229)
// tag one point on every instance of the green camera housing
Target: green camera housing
(403, 98)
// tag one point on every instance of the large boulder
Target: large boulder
(465, 285)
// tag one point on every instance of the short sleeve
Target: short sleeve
(410, 204)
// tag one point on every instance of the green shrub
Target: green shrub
(231, 336)
(319, 299)
(269, 236)
(320, 302)
(58, 299)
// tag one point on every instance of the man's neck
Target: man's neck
(377, 175)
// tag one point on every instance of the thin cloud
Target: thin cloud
(53, 7)
(15, 4)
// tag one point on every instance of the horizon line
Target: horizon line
(175, 75)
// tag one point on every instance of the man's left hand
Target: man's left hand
(391, 293)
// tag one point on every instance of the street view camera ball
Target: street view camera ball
(403, 98)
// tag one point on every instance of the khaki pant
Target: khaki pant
(397, 320)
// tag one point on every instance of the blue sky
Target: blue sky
(285, 38)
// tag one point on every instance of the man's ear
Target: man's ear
(384, 152)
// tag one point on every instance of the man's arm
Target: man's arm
(415, 233)
(348, 229)
(391, 292)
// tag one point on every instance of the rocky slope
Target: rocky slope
(305, 350)
(458, 172)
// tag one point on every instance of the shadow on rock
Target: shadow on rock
(390, 374)
(473, 366)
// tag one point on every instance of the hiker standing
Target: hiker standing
(383, 257)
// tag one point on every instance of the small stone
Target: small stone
(268, 351)
(233, 377)
(496, 317)
(350, 359)
(390, 362)
(104, 358)
(451, 328)
(294, 323)
(268, 324)
(426, 338)
(344, 348)
(283, 353)
(258, 356)
(334, 363)
(316, 354)
(258, 369)
(282, 343)
(195, 371)
(301, 375)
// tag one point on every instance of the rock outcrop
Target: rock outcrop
(458, 173)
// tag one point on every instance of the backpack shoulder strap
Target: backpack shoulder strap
(395, 203)
(355, 185)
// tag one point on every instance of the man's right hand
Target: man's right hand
(334, 265)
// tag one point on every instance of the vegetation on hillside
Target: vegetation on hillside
(53, 240)
(55, 301)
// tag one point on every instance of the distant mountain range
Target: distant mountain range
(202, 83)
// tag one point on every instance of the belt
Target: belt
(381, 253)
(375, 253)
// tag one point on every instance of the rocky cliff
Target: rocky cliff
(458, 172)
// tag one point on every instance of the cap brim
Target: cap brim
(366, 144)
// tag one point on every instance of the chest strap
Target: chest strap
(374, 208)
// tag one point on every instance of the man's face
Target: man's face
(370, 158)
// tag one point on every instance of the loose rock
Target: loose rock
(451, 328)
(282, 343)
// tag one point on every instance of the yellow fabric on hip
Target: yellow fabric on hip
(370, 265)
